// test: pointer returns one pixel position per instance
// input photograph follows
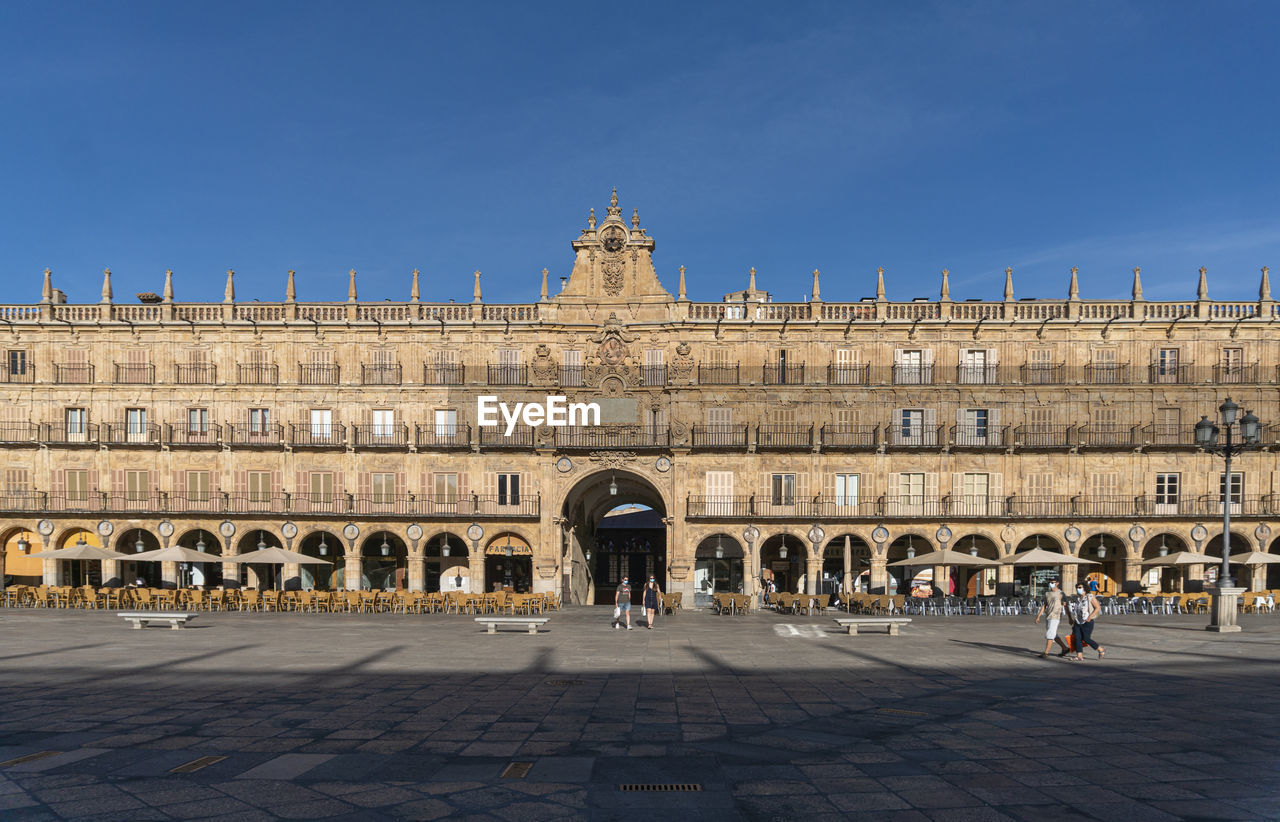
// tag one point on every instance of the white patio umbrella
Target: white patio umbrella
(175, 553)
(945, 557)
(277, 556)
(1039, 556)
(1253, 558)
(1183, 558)
(82, 551)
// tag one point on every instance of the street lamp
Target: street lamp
(613, 485)
(1223, 616)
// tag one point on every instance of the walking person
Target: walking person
(652, 600)
(622, 603)
(1087, 609)
(1052, 611)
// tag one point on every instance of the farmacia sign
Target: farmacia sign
(557, 411)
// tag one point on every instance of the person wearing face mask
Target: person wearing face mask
(1051, 610)
(1087, 609)
(652, 600)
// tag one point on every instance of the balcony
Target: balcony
(507, 374)
(128, 373)
(317, 435)
(443, 436)
(849, 437)
(719, 436)
(653, 376)
(380, 374)
(394, 435)
(783, 374)
(19, 432)
(776, 436)
(1042, 436)
(717, 374)
(571, 375)
(849, 374)
(147, 433)
(63, 434)
(978, 436)
(1106, 373)
(612, 436)
(443, 374)
(1108, 436)
(252, 435)
(186, 434)
(1169, 436)
(1043, 374)
(1236, 373)
(913, 374)
(319, 373)
(495, 436)
(20, 372)
(1169, 374)
(258, 374)
(72, 373)
(198, 374)
(913, 436)
(970, 374)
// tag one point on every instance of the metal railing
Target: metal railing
(73, 373)
(128, 373)
(850, 436)
(1106, 373)
(12, 432)
(612, 436)
(507, 374)
(719, 436)
(123, 433)
(571, 375)
(187, 434)
(913, 375)
(382, 505)
(653, 375)
(24, 373)
(850, 374)
(1043, 374)
(784, 436)
(782, 374)
(317, 435)
(319, 373)
(978, 436)
(256, 436)
(495, 436)
(717, 374)
(442, 436)
(443, 374)
(913, 436)
(395, 435)
(258, 374)
(380, 374)
(195, 374)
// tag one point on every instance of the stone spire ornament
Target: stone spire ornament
(229, 293)
(290, 290)
(1008, 283)
(351, 286)
(168, 285)
(681, 294)
(1202, 290)
(945, 293)
(46, 290)
(817, 289)
(635, 218)
(1137, 283)
(475, 292)
(106, 285)
(751, 280)
(1264, 288)
(1073, 290)
(591, 220)
(614, 211)
(542, 295)
(880, 283)
(413, 287)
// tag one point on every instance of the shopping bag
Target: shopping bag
(1071, 642)
(617, 611)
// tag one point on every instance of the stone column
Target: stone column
(49, 570)
(751, 571)
(110, 571)
(879, 574)
(231, 572)
(475, 569)
(417, 572)
(292, 577)
(1069, 576)
(168, 575)
(846, 581)
(352, 570)
(1259, 578)
(1132, 571)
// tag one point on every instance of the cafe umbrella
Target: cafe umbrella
(1039, 557)
(944, 557)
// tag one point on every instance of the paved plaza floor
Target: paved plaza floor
(372, 717)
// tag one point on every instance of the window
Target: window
(1103, 490)
(17, 363)
(973, 366)
(912, 421)
(655, 369)
(77, 484)
(847, 490)
(1232, 366)
(572, 367)
(321, 487)
(197, 420)
(1168, 487)
(259, 486)
(846, 367)
(136, 485)
(259, 421)
(719, 489)
(16, 480)
(321, 423)
(1105, 368)
(1167, 365)
(384, 423)
(974, 428)
(135, 424)
(446, 422)
(911, 489)
(446, 488)
(198, 483)
(1040, 366)
(508, 489)
(77, 423)
(782, 489)
(1237, 490)
(973, 492)
(384, 488)
(1168, 425)
(1040, 486)
(911, 367)
(719, 417)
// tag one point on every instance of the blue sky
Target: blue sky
(785, 136)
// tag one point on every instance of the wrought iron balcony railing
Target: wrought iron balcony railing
(195, 374)
(783, 374)
(849, 374)
(258, 374)
(128, 373)
(317, 435)
(394, 435)
(252, 435)
(188, 434)
(612, 436)
(73, 373)
(507, 374)
(447, 435)
(123, 433)
(319, 373)
(443, 374)
(784, 436)
(719, 436)
(847, 437)
(380, 374)
(717, 374)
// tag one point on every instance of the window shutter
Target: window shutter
(802, 486)
(490, 484)
(400, 483)
(242, 483)
(829, 484)
(897, 357)
(895, 485)
(927, 357)
(426, 484)
(180, 484)
(58, 484)
(464, 491)
(993, 425)
(277, 481)
(93, 480)
(895, 427)
(364, 484)
(117, 481)
(992, 356)
(930, 426)
(339, 483)
(995, 484)
(930, 486)
(957, 483)
(766, 484)
(301, 483)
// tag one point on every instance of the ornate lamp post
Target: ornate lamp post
(1223, 615)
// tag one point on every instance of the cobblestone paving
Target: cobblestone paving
(381, 717)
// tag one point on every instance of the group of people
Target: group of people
(1081, 611)
(651, 599)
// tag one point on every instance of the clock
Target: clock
(45, 527)
(351, 531)
(227, 528)
(105, 528)
(414, 532)
(165, 528)
(289, 530)
(564, 465)
(663, 464)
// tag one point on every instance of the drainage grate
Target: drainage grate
(28, 758)
(516, 770)
(685, 788)
(196, 764)
(900, 712)
(562, 682)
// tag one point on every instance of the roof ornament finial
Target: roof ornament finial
(945, 294)
(880, 283)
(817, 289)
(614, 211)
(475, 292)
(290, 288)
(1137, 283)
(106, 285)
(635, 218)
(46, 290)
(591, 219)
(1008, 283)
(1073, 290)
(681, 293)
(1202, 290)
(351, 286)
(168, 285)
(542, 295)
(751, 281)
(229, 293)
(413, 287)
(1264, 288)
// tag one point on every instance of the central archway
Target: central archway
(614, 525)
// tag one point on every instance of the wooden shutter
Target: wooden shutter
(179, 483)
(242, 483)
(957, 484)
(364, 484)
(802, 486)
(930, 486)
(58, 484)
(93, 480)
(930, 426)
(339, 483)
(463, 485)
(117, 482)
(400, 482)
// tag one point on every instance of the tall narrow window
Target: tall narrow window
(1168, 491)
(77, 485)
(321, 487)
(655, 369)
(911, 489)
(77, 420)
(911, 421)
(1231, 369)
(197, 421)
(259, 421)
(1167, 365)
(1237, 490)
(137, 486)
(198, 486)
(719, 488)
(782, 489)
(973, 365)
(384, 423)
(17, 363)
(572, 371)
(446, 422)
(508, 489)
(847, 490)
(321, 423)
(384, 488)
(446, 488)
(259, 486)
(136, 424)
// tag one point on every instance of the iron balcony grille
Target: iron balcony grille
(258, 374)
(654, 375)
(571, 375)
(199, 434)
(968, 374)
(612, 436)
(852, 374)
(16, 432)
(62, 434)
(978, 436)
(1226, 374)
(380, 374)
(1106, 373)
(134, 374)
(395, 435)
(507, 374)
(719, 436)
(72, 373)
(784, 436)
(913, 436)
(317, 435)
(495, 436)
(443, 374)
(1108, 436)
(23, 373)
(1042, 436)
(199, 374)
(1043, 374)
(1164, 374)
(717, 374)
(850, 436)
(1169, 435)
(443, 436)
(124, 433)
(245, 434)
(319, 374)
(913, 375)
(783, 374)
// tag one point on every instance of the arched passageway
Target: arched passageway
(614, 526)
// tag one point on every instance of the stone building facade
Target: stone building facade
(807, 443)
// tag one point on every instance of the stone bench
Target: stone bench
(852, 623)
(142, 619)
(492, 622)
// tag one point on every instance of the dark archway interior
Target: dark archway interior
(615, 529)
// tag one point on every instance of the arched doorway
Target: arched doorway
(1157, 578)
(976, 582)
(783, 562)
(717, 568)
(614, 526)
(201, 574)
(904, 578)
(1240, 544)
(19, 568)
(260, 575)
(328, 547)
(447, 563)
(508, 564)
(384, 562)
(833, 564)
(1110, 551)
(1033, 577)
(129, 541)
